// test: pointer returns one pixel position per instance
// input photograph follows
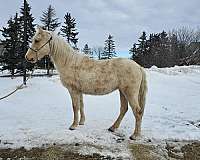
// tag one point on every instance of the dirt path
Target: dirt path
(165, 150)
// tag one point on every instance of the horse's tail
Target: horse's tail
(143, 91)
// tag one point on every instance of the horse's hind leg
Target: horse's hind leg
(82, 119)
(123, 110)
(138, 113)
(75, 96)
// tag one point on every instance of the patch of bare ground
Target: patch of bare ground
(163, 150)
(50, 153)
(168, 150)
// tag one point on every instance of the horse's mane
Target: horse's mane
(62, 51)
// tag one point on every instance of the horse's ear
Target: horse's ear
(39, 28)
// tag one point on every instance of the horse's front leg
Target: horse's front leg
(75, 96)
(82, 119)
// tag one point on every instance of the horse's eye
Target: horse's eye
(36, 41)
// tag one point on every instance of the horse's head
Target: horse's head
(40, 46)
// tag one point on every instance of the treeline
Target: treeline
(167, 49)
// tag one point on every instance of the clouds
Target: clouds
(124, 19)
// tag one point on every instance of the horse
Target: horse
(83, 75)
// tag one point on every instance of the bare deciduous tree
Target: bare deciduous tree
(185, 35)
(98, 50)
(197, 35)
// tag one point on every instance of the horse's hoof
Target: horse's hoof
(72, 128)
(111, 129)
(81, 123)
(132, 138)
(135, 137)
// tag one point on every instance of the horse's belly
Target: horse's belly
(98, 91)
(98, 88)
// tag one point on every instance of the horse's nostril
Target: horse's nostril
(29, 60)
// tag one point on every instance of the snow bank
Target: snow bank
(177, 70)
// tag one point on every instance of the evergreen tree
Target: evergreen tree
(48, 19)
(109, 49)
(2, 50)
(26, 20)
(150, 54)
(50, 23)
(164, 50)
(27, 32)
(16, 43)
(133, 51)
(141, 50)
(69, 30)
(158, 50)
(142, 46)
(30, 30)
(174, 49)
(86, 50)
(11, 33)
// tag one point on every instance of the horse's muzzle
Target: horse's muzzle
(29, 60)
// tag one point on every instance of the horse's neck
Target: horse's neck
(63, 55)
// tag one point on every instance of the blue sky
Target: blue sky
(124, 19)
(124, 54)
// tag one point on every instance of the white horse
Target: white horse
(82, 75)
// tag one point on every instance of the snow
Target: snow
(41, 113)
(173, 101)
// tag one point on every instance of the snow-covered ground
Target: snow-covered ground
(41, 113)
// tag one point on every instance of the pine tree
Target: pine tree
(133, 51)
(28, 30)
(142, 46)
(11, 44)
(27, 26)
(164, 49)
(48, 19)
(142, 50)
(174, 49)
(109, 49)
(17, 35)
(86, 50)
(69, 30)
(2, 50)
(50, 23)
